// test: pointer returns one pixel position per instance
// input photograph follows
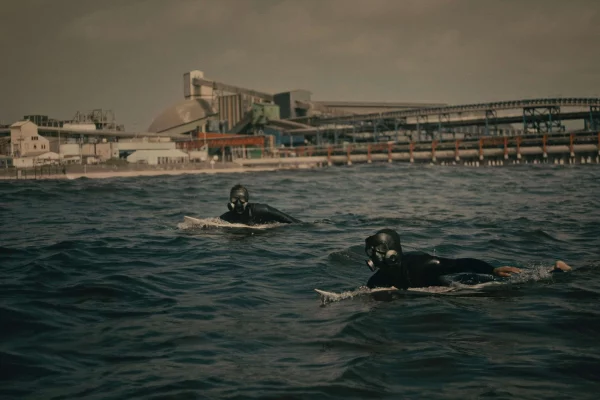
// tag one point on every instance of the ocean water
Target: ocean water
(105, 294)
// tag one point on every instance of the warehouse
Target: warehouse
(158, 157)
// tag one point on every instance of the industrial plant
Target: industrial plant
(218, 122)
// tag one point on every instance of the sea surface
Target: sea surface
(106, 294)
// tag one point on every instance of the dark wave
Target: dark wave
(104, 296)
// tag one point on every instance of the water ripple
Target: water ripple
(104, 295)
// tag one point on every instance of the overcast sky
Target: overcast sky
(60, 56)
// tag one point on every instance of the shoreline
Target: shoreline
(132, 174)
(489, 158)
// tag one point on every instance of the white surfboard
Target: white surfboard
(219, 223)
(327, 297)
(358, 291)
(456, 287)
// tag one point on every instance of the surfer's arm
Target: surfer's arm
(446, 266)
(226, 217)
(378, 279)
(268, 214)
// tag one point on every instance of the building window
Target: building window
(35, 147)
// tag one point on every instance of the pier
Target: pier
(569, 148)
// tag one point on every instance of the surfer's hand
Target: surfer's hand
(506, 271)
(561, 266)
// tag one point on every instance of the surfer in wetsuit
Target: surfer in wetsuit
(243, 212)
(404, 270)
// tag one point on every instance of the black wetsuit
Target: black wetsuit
(256, 213)
(422, 270)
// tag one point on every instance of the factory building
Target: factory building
(26, 147)
(158, 157)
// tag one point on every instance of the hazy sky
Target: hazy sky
(60, 56)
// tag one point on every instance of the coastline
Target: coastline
(130, 174)
(103, 172)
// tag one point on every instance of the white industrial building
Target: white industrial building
(31, 161)
(25, 140)
(27, 147)
(158, 157)
(145, 144)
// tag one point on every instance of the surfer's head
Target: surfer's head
(384, 250)
(238, 199)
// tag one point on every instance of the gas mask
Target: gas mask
(238, 201)
(381, 255)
